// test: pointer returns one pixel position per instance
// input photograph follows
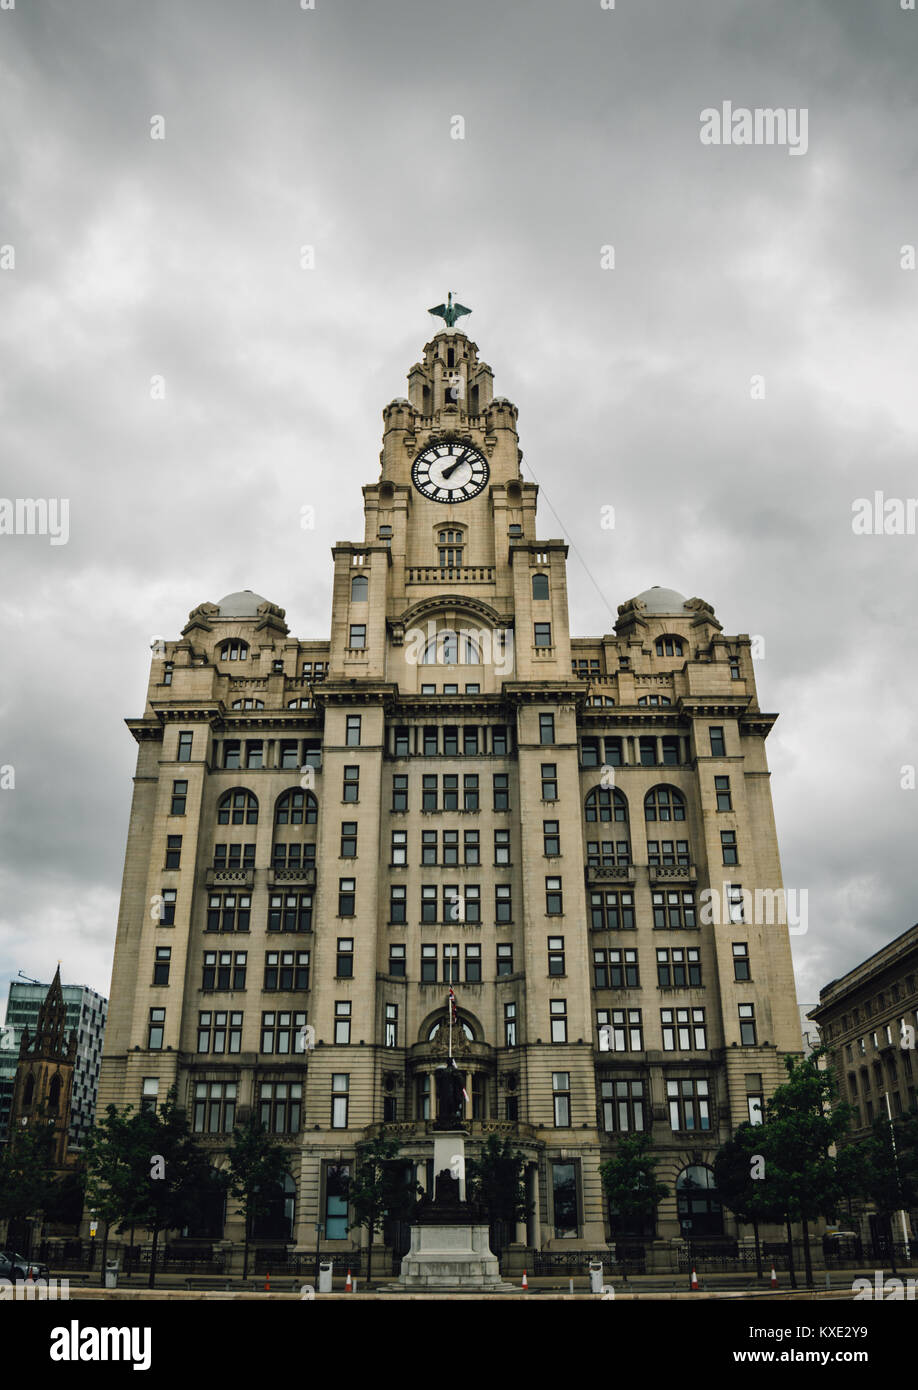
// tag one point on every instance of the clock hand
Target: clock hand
(448, 472)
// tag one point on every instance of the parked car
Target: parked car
(13, 1267)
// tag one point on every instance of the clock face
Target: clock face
(449, 472)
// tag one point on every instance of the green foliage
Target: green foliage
(498, 1180)
(630, 1181)
(257, 1163)
(377, 1187)
(802, 1121)
(26, 1172)
(749, 1198)
(891, 1152)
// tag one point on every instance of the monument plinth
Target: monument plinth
(450, 1246)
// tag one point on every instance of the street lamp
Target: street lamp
(318, 1237)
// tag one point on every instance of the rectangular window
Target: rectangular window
(747, 1024)
(501, 791)
(342, 1021)
(612, 911)
(179, 798)
(470, 741)
(722, 790)
(670, 746)
(556, 955)
(502, 847)
(472, 902)
(647, 748)
(280, 1107)
(428, 846)
(431, 740)
(344, 958)
(397, 961)
(422, 1093)
(622, 1106)
(357, 637)
(255, 754)
(237, 856)
(161, 966)
(450, 965)
(286, 970)
(504, 958)
(718, 745)
(346, 896)
(614, 756)
(348, 839)
(623, 969)
(391, 1035)
(558, 1017)
(470, 791)
(214, 1107)
(150, 1095)
(451, 741)
(678, 968)
(451, 792)
(429, 792)
(289, 912)
(741, 961)
(399, 853)
(351, 788)
(472, 848)
(683, 1030)
(156, 1029)
(472, 963)
(400, 793)
(510, 1025)
(673, 910)
(728, 846)
(561, 1095)
(398, 894)
(184, 747)
(232, 753)
(689, 1105)
(352, 734)
(400, 741)
(167, 907)
(499, 741)
(429, 903)
(280, 1031)
(542, 634)
(549, 782)
(564, 1199)
(589, 752)
(551, 838)
(554, 906)
(428, 964)
(340, 1085)
(453, 904)
(503, 903)
(546, 728)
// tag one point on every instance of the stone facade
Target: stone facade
(454, 790)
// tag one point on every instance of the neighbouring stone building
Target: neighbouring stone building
(575, 833)
(868, 1021)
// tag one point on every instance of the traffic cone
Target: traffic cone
(695, 1284)
(349, 1283)
(525, 1281)
(774, 1278)
(267, 1281)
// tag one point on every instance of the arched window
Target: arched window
(664, 803)
(296, 808)
(234, 650)
(302, 703)
(29, 1092)
(669, 646)
(700, 1212)
(449, 548)
(451, 648)
(604, 803)
(654, 700)
(444, 1024)
(540, 586)
(248, 704)
(360, 588)
(237, 807)
(54, 1095)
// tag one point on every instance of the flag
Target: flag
(453, 1011)
(466, 1096)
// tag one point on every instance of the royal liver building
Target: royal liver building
(449, 790)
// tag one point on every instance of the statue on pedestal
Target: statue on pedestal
(450, 1083)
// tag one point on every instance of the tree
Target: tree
(27, 1173)
(630, 1182)
(498, 1181)
(146, 1170)
(738, 1186)
(256, 1165)
(892, 1168)
(378, 1189)
(803, 1120)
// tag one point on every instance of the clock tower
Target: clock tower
(450, 793)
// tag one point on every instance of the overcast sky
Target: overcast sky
(180, 258)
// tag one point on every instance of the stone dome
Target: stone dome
(663, 601)
(244, 604)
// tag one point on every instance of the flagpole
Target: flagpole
(449, 1005)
